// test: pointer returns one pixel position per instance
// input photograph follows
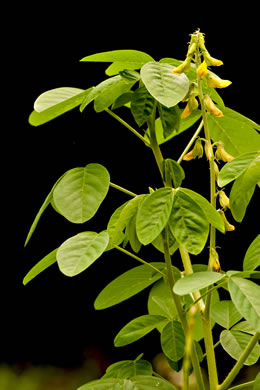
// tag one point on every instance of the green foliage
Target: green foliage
(165, 99)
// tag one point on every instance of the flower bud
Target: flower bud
(188, 156)
(208, 150)
(214, 82)
(202, 70)
(191, 106)
(223, 200)
(197, 151)
(210, 61)
(214, 260)
(221, 154)
(216, 170)
(227, 225)
(210, 106)
(183, 67)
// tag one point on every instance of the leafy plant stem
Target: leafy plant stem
(195, 135)
(117, 187)
(239, 364)
(139, 259)
(129, 127)
(153, 141)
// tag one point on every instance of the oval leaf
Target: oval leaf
(225, 314)
(188, 223)
(252, 257)
(42, 265)
(173, 341)
(235, 342)
(141, 382)
(128, 368)
(153, 214)
(141, 105)
(127, 285)
(81, 191)
(138, 328)
(134, 57)
(245, 296)
(196, 282)
(80, 251)
(167, 88)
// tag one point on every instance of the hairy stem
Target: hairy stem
(239, 364)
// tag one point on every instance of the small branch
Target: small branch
(120, 120)
(195, 135)
(239, 364)
(117, 187)
(140, 260)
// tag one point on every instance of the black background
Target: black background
(52, 319)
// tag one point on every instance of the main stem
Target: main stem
(208, 338)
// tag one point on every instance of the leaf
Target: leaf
(237, 132)
(235, 168)
(140, 382)
(127, 285)
(56, 102)
(167, 88)
(210, 212)
(235, 342)
(78, 252)
(81, 191)
(257, 382)
(225, 314)
(111, 226)
(245, 296)
(170, 120)
(173, 341)
(132, 236)
(127, 368)
(196, 281)
(138, 328)
(42, 265)
(188, 223)
(252, 256)
(245, 327)
(174, 171)
(141, 105)
(239, 198)
(153, 214)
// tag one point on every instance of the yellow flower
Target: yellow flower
(221, 154)
(211, 61)
(183, 68)
(214, 260)
(208, 150)
(214, 82)
(210, 106)
(223, 200)
(188, 156)
(228, 226)
(190, 106)
(202, 70)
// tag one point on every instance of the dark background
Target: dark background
(52, 319)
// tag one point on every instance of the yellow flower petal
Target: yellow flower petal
(202, 70)
(217, 82)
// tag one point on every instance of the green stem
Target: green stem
(239, 364)
(140, 260)
(242, 386)
(153, 141)
(117, 187)
(120, 120)
(195, 135)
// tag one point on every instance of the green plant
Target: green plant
(183, 304)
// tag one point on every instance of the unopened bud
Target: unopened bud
(216, 170)
(223, 200)
(210, 61)
(191, 106)
(221, 154)
(210, 106)
(214, 82)
(227, 225)
(202, 43)
(183, 68)
(197, 151)
(214, 260)
(208, 150)
(202, 70)
(188, 156)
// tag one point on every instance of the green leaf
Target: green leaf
(42, 265)
(237, 132)
(257, 382)
(188, 223)
(56, 102)
(245, 327)
(141, 105)
(132, 236)
(127, 285)
(170, 120)
(81, 191)
(252, 256)
(167, 88)
(153, 214)
(225, 314)
(245, 296)
(210, 212)
(174, 171)
(138, 328)
(78, 252)
(196, 281)
(111, 226)
(239, 198)
(235, 168)
(140, 382)
(128, 368)
(173, 341)
(235, 342)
